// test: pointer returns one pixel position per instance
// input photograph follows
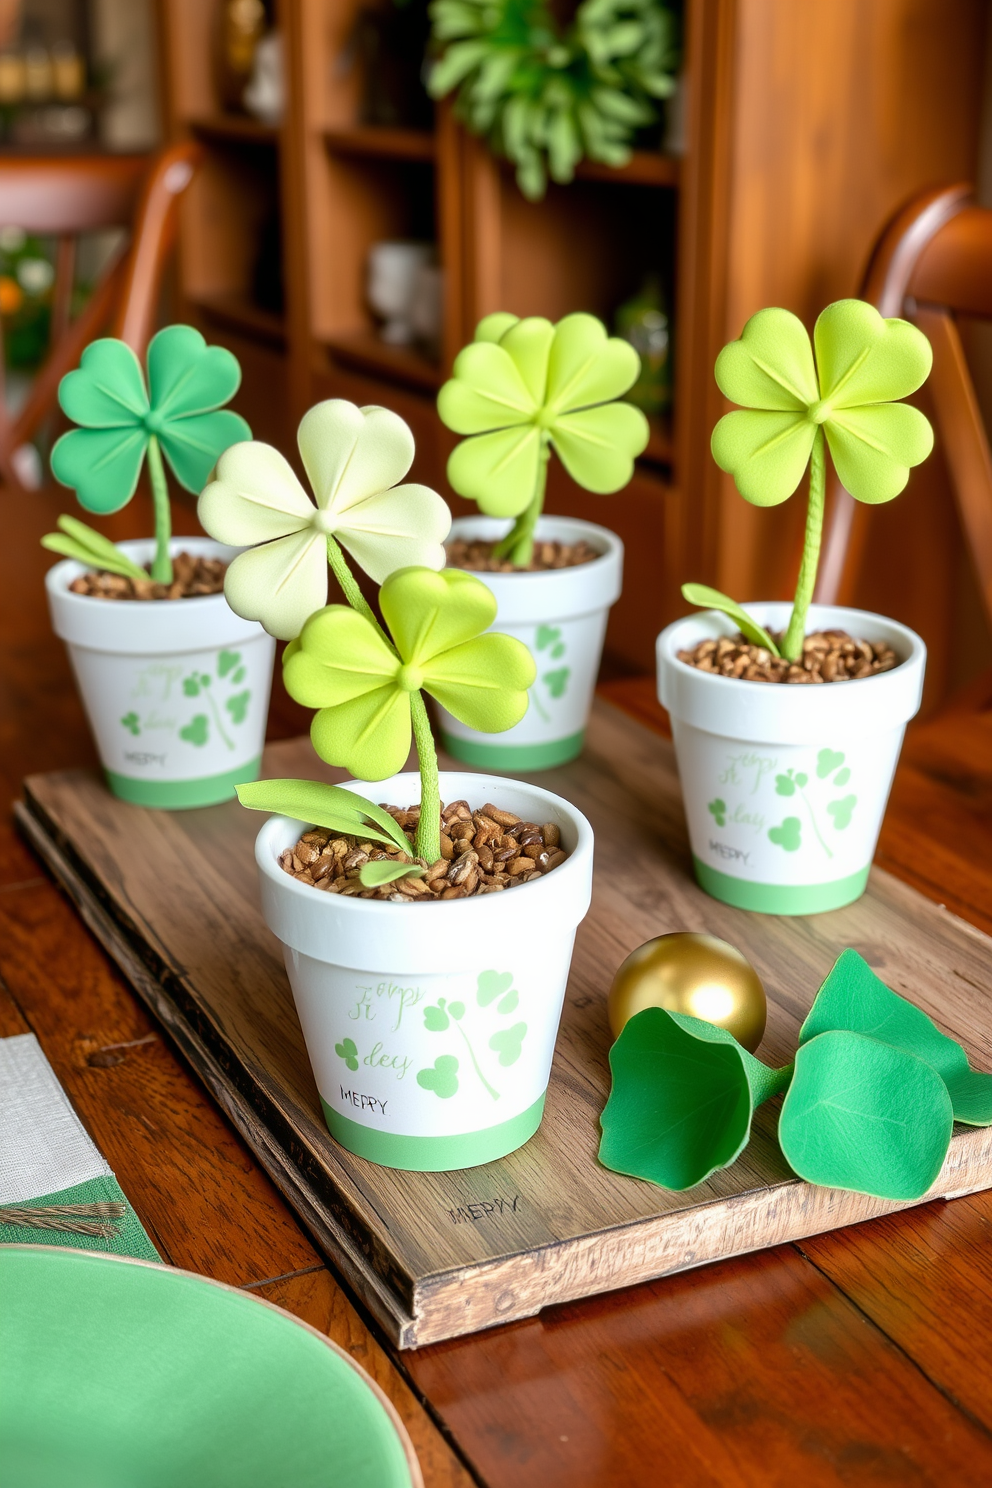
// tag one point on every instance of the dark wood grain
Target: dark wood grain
(176, 894)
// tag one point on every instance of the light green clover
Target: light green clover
(368, 692)
(793, 404)
(178, 414)
(524, 387)
(353, 457)
(862, 364)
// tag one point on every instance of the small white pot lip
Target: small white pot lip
(715, 623)
(610, 546)
(275, 827)
(61, 575)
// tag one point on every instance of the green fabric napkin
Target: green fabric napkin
(47, 1158)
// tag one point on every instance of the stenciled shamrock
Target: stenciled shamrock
(525, 387)
(354, 458)
(178, 414)
(793, 404)
(367, 687)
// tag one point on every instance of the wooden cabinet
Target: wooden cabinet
(808, 125)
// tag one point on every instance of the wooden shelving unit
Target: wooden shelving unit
(777, 200)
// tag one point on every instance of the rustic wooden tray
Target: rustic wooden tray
(436, 1255)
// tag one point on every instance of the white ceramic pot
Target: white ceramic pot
(785, 786)
(430, 1027)
(176, 691)
(561, 617)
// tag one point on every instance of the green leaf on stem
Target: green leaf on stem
(76, 540)
(712, 599)
(383, 871)
(684, 1093)
(329, 806)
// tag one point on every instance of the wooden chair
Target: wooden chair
(932, 263)
(64, 197)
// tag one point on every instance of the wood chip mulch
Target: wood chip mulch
(478, 556)
(828, 656)
(191, 577)
(482, 852)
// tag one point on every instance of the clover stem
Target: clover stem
(161, 569)
(427, 843)
(350, 589)
(518, 544)
(792, 643)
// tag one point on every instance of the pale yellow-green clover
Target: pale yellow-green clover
(354, 458)
(525, 387)
(368, 691)
(790, 403)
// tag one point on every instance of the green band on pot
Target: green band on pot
(781, 899)
(515, 756)
(434, 1154)
(180, 795)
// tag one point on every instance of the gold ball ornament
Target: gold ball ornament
(688, 972)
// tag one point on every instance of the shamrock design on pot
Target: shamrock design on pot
(494, 991)
(828, 762)
(354, 458)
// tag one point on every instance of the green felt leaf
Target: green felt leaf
(107, 389)
(192, 445)
(712, 599)
(186, 376)
(874, 448)
(485, 391)
(429, 613)
(483, 682)
(340, 656)
(864, 1115)
(76, 540)
(383, 871)
(855, 998)
(329, 806)
(586, 365)
(682, 1099)
(598, 446)
(498, 470)
(766, 453)
(528, 344)
(771, 366)
(102, 465)
(865, 359)
(369, 735)
(493, 327)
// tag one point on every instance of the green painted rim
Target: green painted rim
(515, 756)
(781, 899)
(181, 795)
(434, 1154)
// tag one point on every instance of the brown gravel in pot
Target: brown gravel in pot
(828, 656)
(482, 852)
(478, 556)
(191, 576)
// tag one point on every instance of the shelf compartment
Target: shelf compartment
(238, 312)
(234, 129)
(403, 364)
(645, 168)
(382, 143)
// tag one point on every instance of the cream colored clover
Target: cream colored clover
(354, 458)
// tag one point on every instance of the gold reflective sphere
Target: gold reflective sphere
(688, 972)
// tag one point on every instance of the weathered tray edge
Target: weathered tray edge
(517, 1286)
(384, 1305)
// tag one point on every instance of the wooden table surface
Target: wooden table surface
(859, 1357)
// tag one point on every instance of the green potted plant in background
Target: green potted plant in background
(427, 944)
(785, 786)
(523, 389)
(175, 685)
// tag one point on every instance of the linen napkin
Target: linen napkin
(48, 1158)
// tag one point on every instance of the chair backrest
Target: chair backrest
(65, 197)
(931, 264)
